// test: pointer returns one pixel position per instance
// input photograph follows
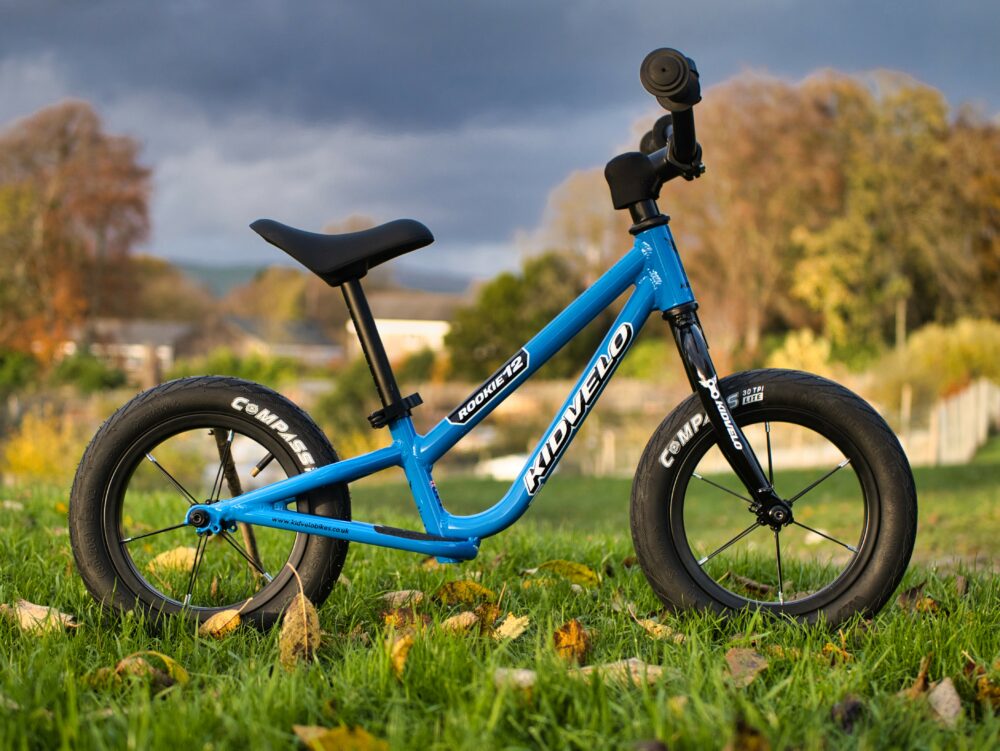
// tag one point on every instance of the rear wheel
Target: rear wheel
(835, 463)
(193, 441)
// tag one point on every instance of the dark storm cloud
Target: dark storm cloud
(459, 113)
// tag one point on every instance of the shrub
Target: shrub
(271, 371)
(17, 369)
(803, 350)
(44, 447)
(87, 373)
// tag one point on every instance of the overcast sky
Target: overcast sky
(463, 115)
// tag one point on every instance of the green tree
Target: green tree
(511, 309)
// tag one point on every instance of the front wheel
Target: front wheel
(829, 456)
(196, 440)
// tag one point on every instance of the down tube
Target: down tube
(563, 428)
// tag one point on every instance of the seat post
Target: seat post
(371, 342)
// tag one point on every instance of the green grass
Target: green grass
(239, 696)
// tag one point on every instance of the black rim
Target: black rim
(742, 584)
(268, 573)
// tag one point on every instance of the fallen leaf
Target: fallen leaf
(37, 619)
(460, 623)
(847, 712)
(341, 738)
(538, 582)
(920, 683)
(660, 631)
(784, 653)
(512, 627)
(945, 702)
(398, 646)
(487, 613)
(359, 635)
(620, 604)
(577, 573)
(403, 619)
(751, 585)
(514, 678)
(220, 624)
(747, 738)
(176, 559)
(988, 691)
(403, 598)
(139, 667)
(464, 592)
(572, 642)
(744, 665)
(629, 561)
(836, 653)
(914, 600)
(300, 634)
(431, 563)
(630, 671)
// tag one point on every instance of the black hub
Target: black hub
(775, 514)
(198, 518)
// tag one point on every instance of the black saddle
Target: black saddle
(339, 258)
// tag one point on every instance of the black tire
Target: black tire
(677, 534)
(122, 492)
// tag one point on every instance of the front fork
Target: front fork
(693, 349)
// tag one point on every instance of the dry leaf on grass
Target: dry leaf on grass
(961, 585)
(574, 572)
(945, 702)
(836, 654)
(342, 738)
(657, 630)
(745, 665)
(487, 613)
(300, 634)
(572, 642)
(405, 619)
(398, 647)
(512, 627)
(176, 559)
(630, 671)
(920, 683)
(461, 623)
(37, 619)
(464, 592)
(521, 678)
(914, 600)
(138, 666)
(220, 625)
(403, 598)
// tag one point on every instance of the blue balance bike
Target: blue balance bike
(769, 489)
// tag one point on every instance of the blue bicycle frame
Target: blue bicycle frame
(652, 267)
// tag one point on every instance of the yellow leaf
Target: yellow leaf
(37, 619)
(137, 666)
(836, 653)
(300, 635)
(630, 671)
(572, 571)
(403, 619)
(403, 598)
(177, 559)
(342, 738)
(572, 642)
(988, 691)
(511, 628)
(460, 623)
(220, 624)
(62, 508)
(399, 646)
(465, 592)
(660, 631)
(487, 613)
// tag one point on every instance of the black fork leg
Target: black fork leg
(704, 380)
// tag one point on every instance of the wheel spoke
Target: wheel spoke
(781, 580)
(199, 553)
(826, 536)
(258, 567)
(190, 498)
(224, 450)
(829, 474)
(722, 488)
(150, 534)
(770, 463)
(733, 541)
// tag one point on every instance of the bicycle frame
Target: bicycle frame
(654, 269)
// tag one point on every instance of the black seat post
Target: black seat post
(371, 342)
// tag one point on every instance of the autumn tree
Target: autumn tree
(73, 204)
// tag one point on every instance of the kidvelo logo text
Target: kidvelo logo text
(575, 412)
(275, 423)
(712, 384)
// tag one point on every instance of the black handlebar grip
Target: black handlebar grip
(672, 78)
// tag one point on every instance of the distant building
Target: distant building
(408, 321)
(302, 341)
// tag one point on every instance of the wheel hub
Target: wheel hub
(775, 514)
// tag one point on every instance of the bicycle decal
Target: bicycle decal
(491, 387)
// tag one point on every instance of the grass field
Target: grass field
(446, 697)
